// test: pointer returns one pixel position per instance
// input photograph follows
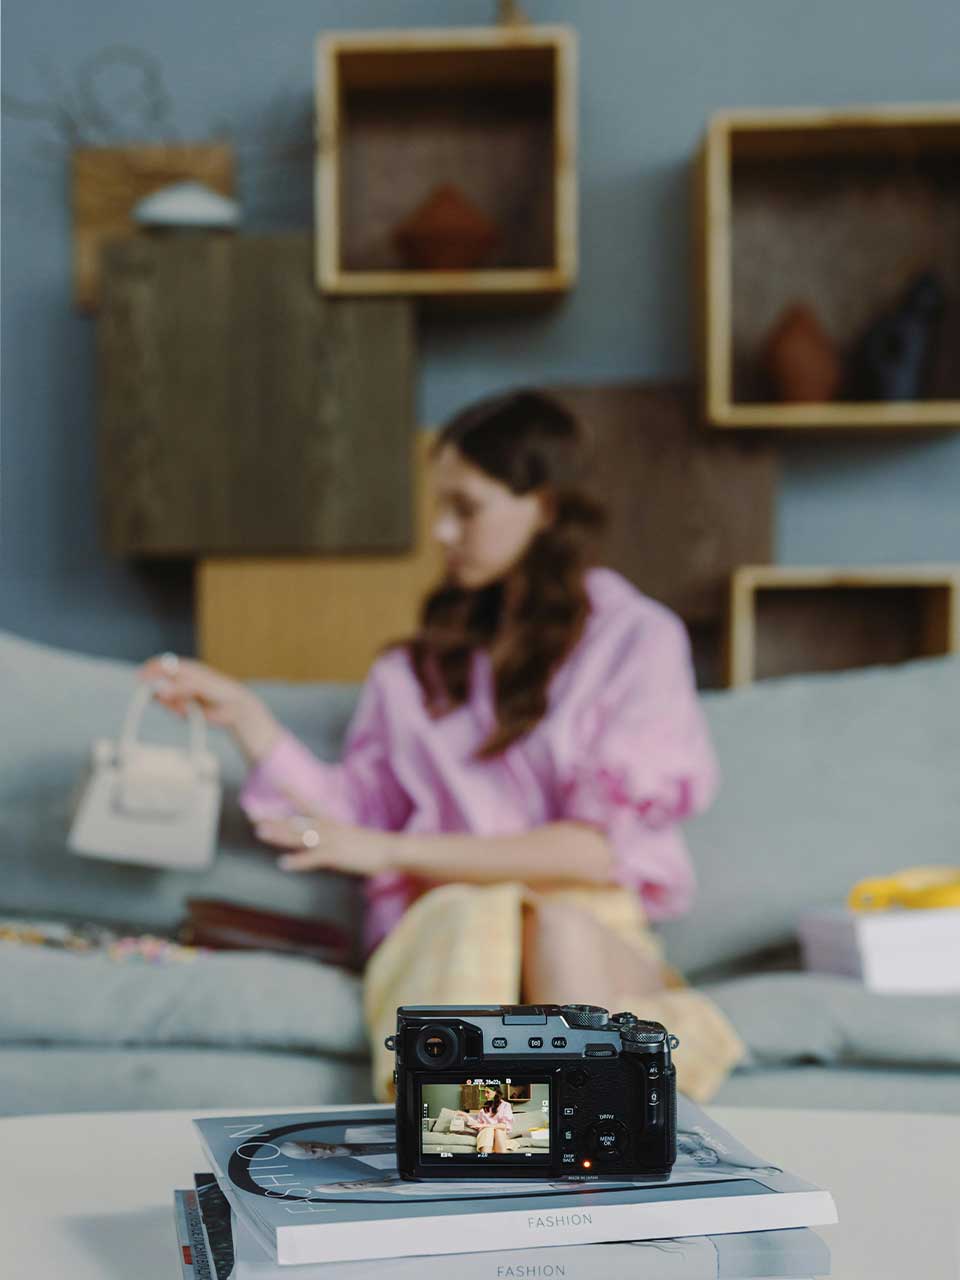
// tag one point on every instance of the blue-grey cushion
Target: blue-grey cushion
(825, 780)
(38, 1080)
(816, 1017)
(54, 703)
(934, 1090)
(244, 1000)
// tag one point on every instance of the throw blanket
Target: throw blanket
(461, 944)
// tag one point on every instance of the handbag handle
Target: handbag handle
(131, 724)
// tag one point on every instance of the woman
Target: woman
(528, 755)
(493, 1124)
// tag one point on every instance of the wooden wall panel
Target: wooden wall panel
(240, 411)
(315, 618)
(686, 505)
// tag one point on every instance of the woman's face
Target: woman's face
(483, 527)
(489, 1095)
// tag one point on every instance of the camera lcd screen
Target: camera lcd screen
(506, 1120)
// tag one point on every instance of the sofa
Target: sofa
(528, 1133)
(826, 779)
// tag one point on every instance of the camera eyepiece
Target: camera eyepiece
(437, 1047)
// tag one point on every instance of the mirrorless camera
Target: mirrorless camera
(587, 1095)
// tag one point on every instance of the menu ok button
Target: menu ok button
(607, 1139)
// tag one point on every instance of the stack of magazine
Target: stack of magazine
(317, 1197)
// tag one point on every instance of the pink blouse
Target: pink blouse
(503, 1115)
(623, 746)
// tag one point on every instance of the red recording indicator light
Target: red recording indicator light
(587, 1164)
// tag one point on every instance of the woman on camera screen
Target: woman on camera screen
(515, 775)
(493, 1123)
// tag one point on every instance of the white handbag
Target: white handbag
(157, 806)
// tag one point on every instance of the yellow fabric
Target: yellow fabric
(461, 943)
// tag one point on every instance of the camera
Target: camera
(562, 1091)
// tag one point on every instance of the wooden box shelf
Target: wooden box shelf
(491, 111)
(838, 209)
(787, 619)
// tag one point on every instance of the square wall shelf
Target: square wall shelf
(838, 209)
(489, 111)
(786, 619)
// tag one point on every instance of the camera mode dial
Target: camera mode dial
(585, 1015)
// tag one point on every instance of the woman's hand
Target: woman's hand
(223, 701)
(320, 844)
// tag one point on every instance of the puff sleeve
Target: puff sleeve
(642, 762)
(362, 789)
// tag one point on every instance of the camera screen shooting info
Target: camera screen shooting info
(504, 1120)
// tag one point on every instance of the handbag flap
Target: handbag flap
(155, 782)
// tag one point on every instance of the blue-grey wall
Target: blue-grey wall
(651, 72)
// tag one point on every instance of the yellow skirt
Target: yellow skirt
(462, 944)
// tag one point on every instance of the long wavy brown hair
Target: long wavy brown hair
(531, 618)
(492, 1105)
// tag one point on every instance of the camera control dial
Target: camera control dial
(608, 1139)
(642, 1034)
(585, 1015)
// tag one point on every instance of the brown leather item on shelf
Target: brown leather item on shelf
(229, 926)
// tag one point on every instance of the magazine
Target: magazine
(233, 1253)
(192, 1247)
(323, 1187)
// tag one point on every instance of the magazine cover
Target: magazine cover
(323, 1187)
(235, 1254)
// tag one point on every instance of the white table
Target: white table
(88, 1197)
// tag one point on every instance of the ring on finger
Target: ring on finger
(309, 837)
(170, 663)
